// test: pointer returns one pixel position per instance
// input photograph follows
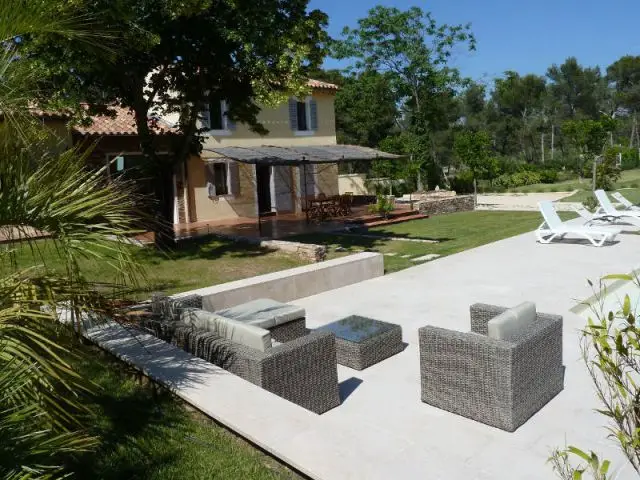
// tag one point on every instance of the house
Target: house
(217, 187)
(239, 173)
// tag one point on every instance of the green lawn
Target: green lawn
(193, 264)
(632, 194)
(454, 232)
(629, 179)
(154, 436)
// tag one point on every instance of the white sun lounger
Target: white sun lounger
(608, 213)
(625, 203)
(553, 227)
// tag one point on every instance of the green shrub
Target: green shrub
(635, 185)
(462, 182)
(383, 206)
(630, 157)
(607, 173)
(554, 189)
(591, 204)
(548, 176)
(520, 179)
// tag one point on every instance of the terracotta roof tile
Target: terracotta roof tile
(322, 85)
(123, 123)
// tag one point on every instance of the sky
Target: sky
(527, 36)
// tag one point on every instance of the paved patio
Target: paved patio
(527, 202)
(288, 224)
(382, 430)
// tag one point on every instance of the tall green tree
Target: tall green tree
(624, 78)
(575, 88)
(624, 74)
(366, 110)
(413, 51)
(173, 58)
(519, 102)
(473, 149)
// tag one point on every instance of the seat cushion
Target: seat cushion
(263, 313)
(237, 332)
(512, 323)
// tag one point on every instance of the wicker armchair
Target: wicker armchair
(496, 382)
(303, 371)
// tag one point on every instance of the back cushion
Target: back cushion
(511, 324)
(237, 332)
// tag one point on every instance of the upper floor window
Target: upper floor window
(215, 118)
(303, 112)
(303, 116)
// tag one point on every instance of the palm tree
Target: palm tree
(45, 188)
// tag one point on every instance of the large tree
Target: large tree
(171, 58)
(624, 78)
(366, 110)
(413, 51)
(575, 88)
(519, 102)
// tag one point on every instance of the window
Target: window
(302, 116)
(218, 179)
(214, 118)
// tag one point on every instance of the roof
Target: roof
(123, 122)
(298, 155)
(319, 84)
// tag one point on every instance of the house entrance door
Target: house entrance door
(263, 181)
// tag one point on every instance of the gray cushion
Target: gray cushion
(238, 332)
(263, 312)
(513, 322)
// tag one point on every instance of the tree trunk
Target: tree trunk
(162, 169)
(161, 172)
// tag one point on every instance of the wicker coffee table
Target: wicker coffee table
(362, 342)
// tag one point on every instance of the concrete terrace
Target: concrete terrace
(382, 430)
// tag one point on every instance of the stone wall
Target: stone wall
(310, 252)
(461, 203)
(306, 251)
(292, 284)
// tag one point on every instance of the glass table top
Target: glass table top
(357, 329)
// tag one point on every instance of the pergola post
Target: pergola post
(304, 181)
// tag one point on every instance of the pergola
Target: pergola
(299, 156)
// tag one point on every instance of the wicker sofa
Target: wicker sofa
(282, 359)
(499, 382)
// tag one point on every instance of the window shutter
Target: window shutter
(313, 107)
(293, 114)
(231, 125)
(234, 178)
(211, 186)
(206, 117)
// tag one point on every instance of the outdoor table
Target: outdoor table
(362, 342)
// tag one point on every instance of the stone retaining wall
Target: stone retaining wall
(294, 283)
(460, 203)
(306, 251)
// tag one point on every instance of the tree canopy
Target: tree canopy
(171, 58)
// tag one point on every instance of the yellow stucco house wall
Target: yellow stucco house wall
(213, 188)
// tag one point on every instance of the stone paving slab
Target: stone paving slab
(426, 258)
(522, 201)
(382, 430)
